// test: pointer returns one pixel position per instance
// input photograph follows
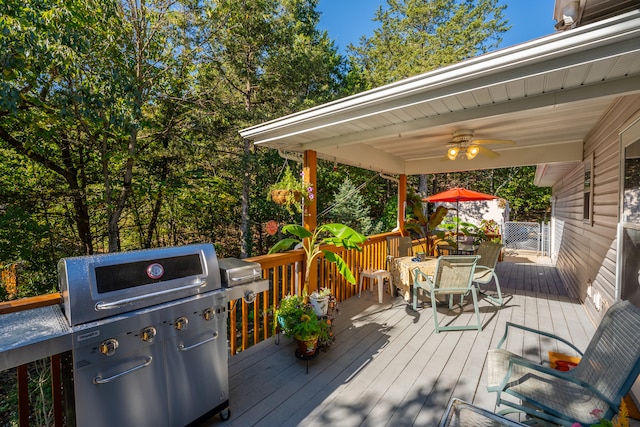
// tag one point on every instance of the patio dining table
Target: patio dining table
(402, 272)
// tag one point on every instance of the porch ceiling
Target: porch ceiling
(545, 95)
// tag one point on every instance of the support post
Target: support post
(402, 203)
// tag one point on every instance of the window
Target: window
(631, 185)
(587, 208)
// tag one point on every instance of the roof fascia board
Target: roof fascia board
(587, 38)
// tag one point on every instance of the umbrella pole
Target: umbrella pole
(457, 222)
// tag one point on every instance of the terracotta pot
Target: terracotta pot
(308, 345)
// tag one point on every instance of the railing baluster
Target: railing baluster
(23, 396)
(56, 390)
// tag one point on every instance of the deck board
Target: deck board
(389, 367)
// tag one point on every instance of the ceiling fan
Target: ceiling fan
(463, 144)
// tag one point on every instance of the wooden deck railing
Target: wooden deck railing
(249, 324)
(285, 273)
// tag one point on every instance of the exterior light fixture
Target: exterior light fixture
(472, 151)
(452, 153)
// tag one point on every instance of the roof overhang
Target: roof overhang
(545, 95)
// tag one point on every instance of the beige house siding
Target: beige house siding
(586, 258)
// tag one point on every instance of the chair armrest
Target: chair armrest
(419, 273)
(535, 331)
(566, 376)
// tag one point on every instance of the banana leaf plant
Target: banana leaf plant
(332, 234)
(426, 227)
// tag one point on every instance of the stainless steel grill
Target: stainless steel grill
(148, 336)
(147, 331)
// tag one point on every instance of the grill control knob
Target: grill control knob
(181, 323)
(148, 334)
(208, 313)
(108, 347)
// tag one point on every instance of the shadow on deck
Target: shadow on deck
(389, 367)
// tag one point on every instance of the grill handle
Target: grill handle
(182, 347)
(100, 380)
(252, 276)
(101, 305)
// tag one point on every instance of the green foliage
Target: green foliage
(424, 226)
(527, 202)
(105, 146)
(297, 191)
(416, 36)
(350, 208)
(328, 234)
(297, 318)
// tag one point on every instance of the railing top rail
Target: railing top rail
(266, 261)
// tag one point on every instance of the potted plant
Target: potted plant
(425, 227)
(296, 316)
(338, 235)
(320, 301)
(298, 320)
(290, 191)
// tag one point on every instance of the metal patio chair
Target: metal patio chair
(453, 276)
(398, 246)
(462, 414)
(606, 372)
(489, 253)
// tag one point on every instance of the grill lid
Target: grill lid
(236, 271)
(99, 286)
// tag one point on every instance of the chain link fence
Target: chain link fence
(531, 236)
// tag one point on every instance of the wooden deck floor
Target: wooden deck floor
(389, 367)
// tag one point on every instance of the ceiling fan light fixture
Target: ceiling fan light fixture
(452, 153)
(472, 151)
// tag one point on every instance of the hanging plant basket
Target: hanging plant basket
(290, 191)
(283, 197)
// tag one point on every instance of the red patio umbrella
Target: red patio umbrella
(458, 195)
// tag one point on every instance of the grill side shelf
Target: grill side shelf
(34, 334)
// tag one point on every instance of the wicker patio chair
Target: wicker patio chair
(489, 253)
(606, 372)
(462, 414)
(453, 276)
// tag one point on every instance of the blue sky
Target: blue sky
(348, 20)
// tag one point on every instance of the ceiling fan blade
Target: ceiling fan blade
(487, 152)
(492, 141)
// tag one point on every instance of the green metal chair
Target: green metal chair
(398, 246)
(489, 253)
(453, 276)
(590, 391)
(462, 414)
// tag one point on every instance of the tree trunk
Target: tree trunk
(69, 173)
(245, 232)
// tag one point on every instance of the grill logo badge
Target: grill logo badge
(155, 270)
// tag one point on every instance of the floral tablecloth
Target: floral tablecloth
(402, 272)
